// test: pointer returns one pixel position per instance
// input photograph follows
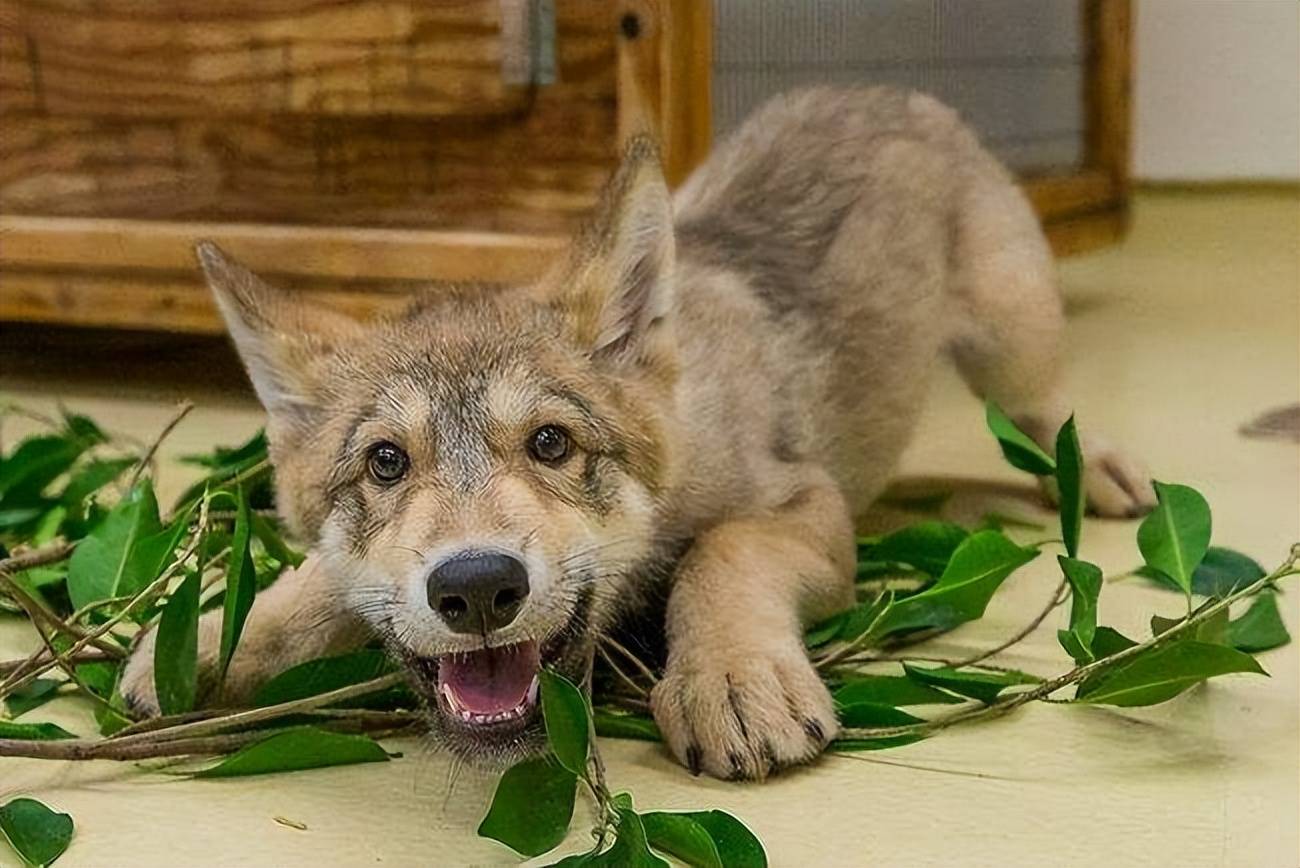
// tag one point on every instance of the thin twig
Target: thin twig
(47, 554)
(627, 679)
(240, 719)
(632, 658)
(856, 644)
(594, 775)
(8, 667)
(1058, 597)
(115, 749)
(147, 458)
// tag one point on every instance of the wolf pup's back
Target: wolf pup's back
(846, 215)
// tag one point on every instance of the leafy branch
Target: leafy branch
(90, 560)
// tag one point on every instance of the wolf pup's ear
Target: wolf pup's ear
(616, 287)
(282, 339)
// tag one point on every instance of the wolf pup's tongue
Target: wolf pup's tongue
(492, 684)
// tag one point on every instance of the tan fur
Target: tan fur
(739, 378)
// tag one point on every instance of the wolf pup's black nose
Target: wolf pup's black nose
(478, 592)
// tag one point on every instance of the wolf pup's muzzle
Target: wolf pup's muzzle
(481, 592)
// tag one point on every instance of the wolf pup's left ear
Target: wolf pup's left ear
(282, 339)
(617, 285)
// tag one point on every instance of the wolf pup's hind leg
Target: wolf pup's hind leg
(1008, 330)
(739, 698)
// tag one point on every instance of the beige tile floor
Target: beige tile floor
(1178, 337)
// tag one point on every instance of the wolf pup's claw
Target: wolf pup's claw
(743, 716)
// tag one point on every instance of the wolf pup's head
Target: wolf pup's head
(480, 473)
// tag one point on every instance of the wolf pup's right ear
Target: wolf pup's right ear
(282, 339)
(616, 285)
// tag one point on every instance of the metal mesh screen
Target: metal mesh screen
(1014, 68)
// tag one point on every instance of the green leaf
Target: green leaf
(865, 617)
(977, 684)
(83, 428)
(325, 674)
(532, 807)
(681, 836)
(861, 715)
(1176, 535)
(1002, 521)
(928, 546)
(99, 677)
(824, 631)
(90, 478)
(296, 749)
(20, 517)
(631, 848)
(48, 527)
(565, 712)
(176, 649)
(241, 584)
(1213, 629)
(108, 563)
(891, 690)
(155, 553)
(1220, 573)
(978, 567)
(737, 846)
(266, 531)
(1069, 482)
(33, 731)
(1070, 642)
(1165, 671)
(31, 696)
(1018, 448)
(1260, 628)
(610, 724)
(1223, 571)
(112, 718)
(1085, 582)
(224, 457)
(38, 834)
(34, 464)
(224, 465)
(1108, 642)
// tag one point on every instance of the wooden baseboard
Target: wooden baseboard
(139, 302)
(1084, 233)
(1224, 187)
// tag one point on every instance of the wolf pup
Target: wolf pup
(709, 386)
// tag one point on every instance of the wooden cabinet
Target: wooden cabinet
(355, 147)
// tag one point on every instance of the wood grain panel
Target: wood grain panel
(536, 172)
(341, 253)
(187, 59)
(537, 166)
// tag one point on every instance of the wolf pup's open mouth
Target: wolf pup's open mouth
(491, 686)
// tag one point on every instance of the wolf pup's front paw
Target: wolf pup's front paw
(137, 684)
(743, 712)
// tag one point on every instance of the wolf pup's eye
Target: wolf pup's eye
(549, 444)
(387, 462)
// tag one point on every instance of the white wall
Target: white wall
(1217, 90)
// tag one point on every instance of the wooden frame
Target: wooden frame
(1087, 209)
(141, 274)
